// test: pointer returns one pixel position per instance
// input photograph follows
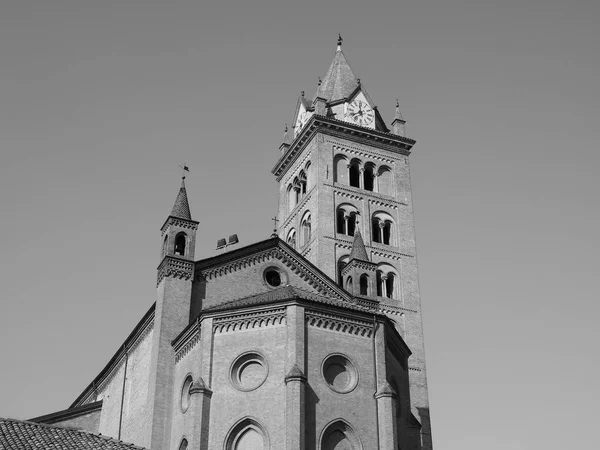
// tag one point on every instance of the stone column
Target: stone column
(201, 412)
(385, 396)
(295, 380)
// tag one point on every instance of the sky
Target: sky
(101, 101)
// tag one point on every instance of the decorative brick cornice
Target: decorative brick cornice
(364, 265)
(299, 207)
(339, 324)
(175, 268)
(343, 190)
(251, 320)
(177, 222)
(186, 342)
(292, 260)
(337, 128)
(369, 155)
(388, 309)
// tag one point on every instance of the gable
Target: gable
(256, 272)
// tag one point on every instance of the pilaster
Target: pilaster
(295, 380)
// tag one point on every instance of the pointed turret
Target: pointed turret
(286, 140)
(398, 122)
(181, 208)
(358, 248)
(339, 82)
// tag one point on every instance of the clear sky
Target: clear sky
(101, 100)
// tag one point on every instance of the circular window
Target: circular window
(249, 371)
(339, 373)
(273, 278)
(185, 393)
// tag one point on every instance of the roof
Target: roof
(181, 208)
(358, 248)
(339, 82)
(21, 435)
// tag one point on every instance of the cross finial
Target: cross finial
(185, 169)
(320, 81)
(275, 222)
(339, 43)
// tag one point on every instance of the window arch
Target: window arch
(247, 434)
(346, 216)
(364, 284)
(382, 228)
(349, 284)
(291, 238)
(341, 170)
(302, 181)
(180, 244)
(369, 177)
(384, 181)
(340, 266)
(305, 226)
(387, 282)
(184, 444)
(354, 173)
(339, 435)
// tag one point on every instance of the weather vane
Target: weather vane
(185, 169)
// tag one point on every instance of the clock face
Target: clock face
(302, 119)
(360, 113)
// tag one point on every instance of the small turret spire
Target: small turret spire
(339, 42)
(181, 208)
(398, 124)
(358, 248)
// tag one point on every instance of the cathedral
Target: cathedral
(309, 340)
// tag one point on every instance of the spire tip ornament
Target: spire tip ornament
(339, 42)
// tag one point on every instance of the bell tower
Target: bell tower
(172, 313)
(340, 163)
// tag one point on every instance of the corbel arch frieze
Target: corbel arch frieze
(370, 155)
(339, 324)
(247, 321)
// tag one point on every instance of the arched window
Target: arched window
(340, 266)
(382, 228)
(339, 436)
(354, 174)
(384, 181)
(390, 285)
(346, 219)
(364, 284)
(291, 194)
(183, 445)
(387, 281)
(309, 181)
(180, 243)
(349, 284)
(341, 170)
(369, 177)
(165, 244)
(302, 180)
(247, 435)
(306, 228)
(291, 238)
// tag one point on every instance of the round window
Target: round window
(339, 373)
(249, 371)
(273, 278)
(185, 393)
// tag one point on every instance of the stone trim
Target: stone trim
(258, 319)
(175, 268)
(339, 323)
(375, 251)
